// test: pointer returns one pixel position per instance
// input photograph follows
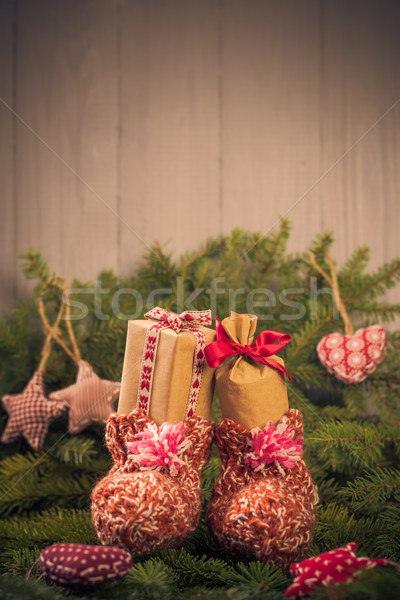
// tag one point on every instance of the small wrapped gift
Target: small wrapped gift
(251, 384)
(165, 372)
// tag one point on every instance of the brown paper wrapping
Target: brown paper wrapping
(250, 393)
(172, 373)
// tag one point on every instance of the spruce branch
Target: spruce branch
(383, 402)
(260, 574)
(77, 450)
(49, 526)
(370, 492)
(354, 445)
(12, 587)
(376, 311)
(35, 266)
(355, 400)
(375, 284)
(54, 487)
(152, 579)
(22, 560)
(18, 465)
(371, 584)
(355, 265)
(307, 336)
(343, 436)
(336, 527)
(268, 251)
(388, 541)
(199, 570)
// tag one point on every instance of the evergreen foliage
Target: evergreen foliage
(352, 437)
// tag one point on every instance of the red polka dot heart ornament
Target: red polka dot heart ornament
(350, 356)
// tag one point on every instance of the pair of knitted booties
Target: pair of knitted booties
(262, 505)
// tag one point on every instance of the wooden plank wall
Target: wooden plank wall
(8, 217)
(176, 120)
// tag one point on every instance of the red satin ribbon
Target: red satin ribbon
(267, 344)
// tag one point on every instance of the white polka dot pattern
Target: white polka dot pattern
(335, 566)
(84, 566)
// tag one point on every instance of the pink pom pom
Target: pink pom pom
(158, 447)
(274, 445)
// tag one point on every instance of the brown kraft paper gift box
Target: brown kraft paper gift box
(172, 373)
(250, 392)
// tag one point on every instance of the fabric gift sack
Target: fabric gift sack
(251, 383)
(165, 372)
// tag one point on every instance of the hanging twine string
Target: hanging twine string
(75, 355)
(333, 282)
(52, 332)
(65, 298)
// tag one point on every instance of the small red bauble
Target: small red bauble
(84, 566)
(352, 358)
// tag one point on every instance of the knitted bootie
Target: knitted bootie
(262, 505)
(150, 499)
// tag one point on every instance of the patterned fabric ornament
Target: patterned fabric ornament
(274, 445)
(158, 447)
(336, 566)
(77, 565)
(30, 413)
(351, 357)
(90, 399)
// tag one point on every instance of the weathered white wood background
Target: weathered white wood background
(128, 121)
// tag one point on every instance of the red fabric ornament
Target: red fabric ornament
(352, 358)
(267, 344)
(90, 399)
(30, 413)
(84, 566)
(337, 566)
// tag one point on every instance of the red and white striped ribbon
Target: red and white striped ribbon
(186, 321)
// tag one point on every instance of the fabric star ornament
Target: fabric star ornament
(336, 566)
(90, 399)
(30, 413)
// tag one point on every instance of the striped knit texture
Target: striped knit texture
(147, 511)
(90, 399)
(261, 515)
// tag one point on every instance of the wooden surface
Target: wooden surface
(8, 217)
(176, 120)
(67, 157)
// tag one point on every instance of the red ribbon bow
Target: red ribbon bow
(267, 344)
